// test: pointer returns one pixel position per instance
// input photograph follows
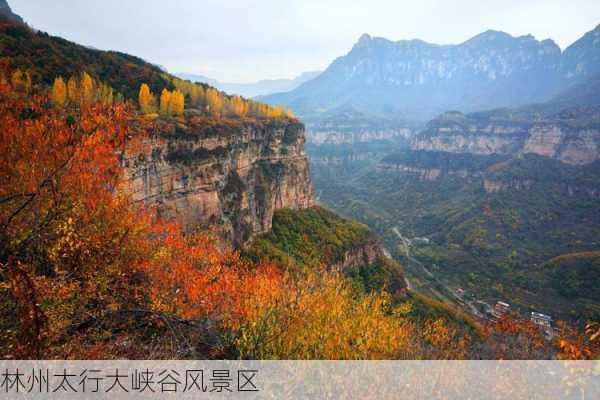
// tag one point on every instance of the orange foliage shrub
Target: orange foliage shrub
(64, 230)
(198, 278)
(268, 314)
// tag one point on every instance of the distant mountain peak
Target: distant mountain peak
(365, 41)
(365, 37)
(496, 37)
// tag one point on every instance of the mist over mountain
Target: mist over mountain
(262, 87)
(414, 79)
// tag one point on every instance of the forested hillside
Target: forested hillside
(118, 186)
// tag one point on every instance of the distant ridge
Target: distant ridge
(262, 87)
(413, 79)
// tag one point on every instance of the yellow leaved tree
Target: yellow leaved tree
(59, 92)
(87, 89)
(214, 102)
(106, 96)
(177, 103)
(146, 99)
(172, 103)
(165, 102)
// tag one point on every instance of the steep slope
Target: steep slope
(581, 60)
(233, 174)
(585, 93)
(229, 172)
(317, 237)
(415, 80)
(7, 14)
(45, 57)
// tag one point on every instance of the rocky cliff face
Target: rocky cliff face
(572, 146)
(231, 175)
(496, 174)
(334, 136)
(424, 174)
(491, 185)
(359, 256)
(576, 144)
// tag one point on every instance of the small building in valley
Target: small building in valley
(500, 309)
(544, 323)
(541, 320)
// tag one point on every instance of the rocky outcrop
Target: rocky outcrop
(475, 140)
(457, 133)
(327, 160)
(232, 175)
(424, 174)
(334, 136)
(365, 254)
(572, 146)
(491, 185)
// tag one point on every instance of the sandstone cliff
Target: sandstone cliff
(494, 173)
(423, 174)
(332, 135)
(364, 254)
(576, 144)
(230, 174)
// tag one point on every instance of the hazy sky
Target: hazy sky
(240, 41)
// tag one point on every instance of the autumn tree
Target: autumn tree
(177, 103)
(87, 89)
(320, 317)
(59, 92)
(146, 99)
(165, 102)
(106, 95)
(197, 95)
(73, 90)
(214, 101)
(59, 215)
(239, 106)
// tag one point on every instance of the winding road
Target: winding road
(449, 295)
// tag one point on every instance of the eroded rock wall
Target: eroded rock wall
(233, 176)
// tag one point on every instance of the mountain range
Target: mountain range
(501, 201)
(416, 80)
(262, 87)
